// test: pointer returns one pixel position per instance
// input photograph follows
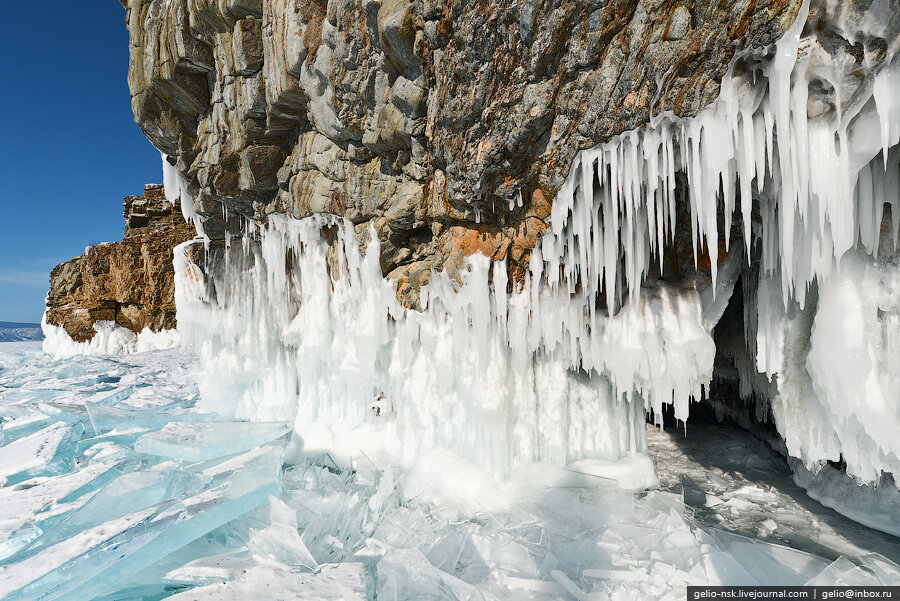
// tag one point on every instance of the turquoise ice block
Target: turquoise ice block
(238, 485)
(205, 441)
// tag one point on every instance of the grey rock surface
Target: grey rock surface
(448, 125)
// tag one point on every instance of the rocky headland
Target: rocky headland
(129, 282)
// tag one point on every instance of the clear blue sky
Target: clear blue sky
(69, 148)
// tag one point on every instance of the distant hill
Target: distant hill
(17, 332)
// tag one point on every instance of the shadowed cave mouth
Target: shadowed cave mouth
(733, 412)
(738, 396)
(725, 402)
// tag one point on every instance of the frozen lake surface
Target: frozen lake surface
(117, 485)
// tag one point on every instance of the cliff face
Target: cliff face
(130, 282)
(446, 126)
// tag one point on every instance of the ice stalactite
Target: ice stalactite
(755, 141)
(300, 324)
(308, 328)
(176, 190)
(820, 184)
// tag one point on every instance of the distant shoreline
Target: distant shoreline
(11, 331)
(7, 325)
(21, 345)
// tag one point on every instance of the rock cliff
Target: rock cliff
(130, 282)
(447, 126)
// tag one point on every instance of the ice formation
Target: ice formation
(109, 339)
(875, 506)
(486, 447)
(297, 323)
(490, 376)
(176, 191)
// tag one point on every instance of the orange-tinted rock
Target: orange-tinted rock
(456, 118)
(131, 281)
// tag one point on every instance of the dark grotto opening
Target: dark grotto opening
(731, 464)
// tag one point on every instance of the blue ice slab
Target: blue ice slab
(46, 452)
(125, 439)
(124, 495)
(30, 395)
(205, 441)
(22, 425)
(19, 540)
(62, 411)
(208, 560)
(147, 592)
(111, 399)
(106, 418)
(237, 486)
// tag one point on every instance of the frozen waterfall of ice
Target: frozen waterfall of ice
(482, 373)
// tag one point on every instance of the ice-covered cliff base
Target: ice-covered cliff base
(117, 486)
(789, 183)
(110, 339)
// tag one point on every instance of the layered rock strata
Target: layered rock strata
(129, 282)
(452, 129)
(447, 126)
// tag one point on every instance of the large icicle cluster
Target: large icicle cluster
(756, 141)
(820, 184)
(309, 329)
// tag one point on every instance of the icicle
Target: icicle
(176, 191)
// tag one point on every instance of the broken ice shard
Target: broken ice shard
(201, 442)
(34, 455)
(93, 561)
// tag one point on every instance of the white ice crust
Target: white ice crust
(110, 339)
